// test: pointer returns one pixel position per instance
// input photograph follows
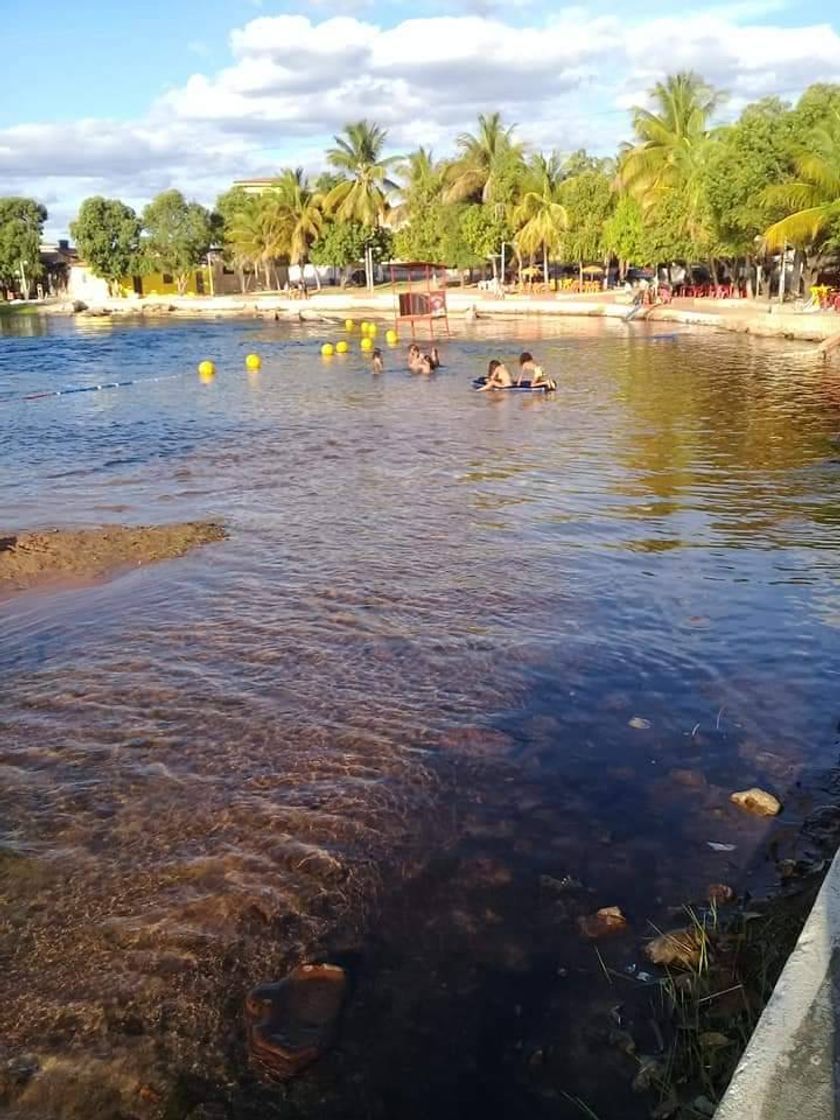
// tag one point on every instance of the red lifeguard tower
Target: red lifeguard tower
(425, 300)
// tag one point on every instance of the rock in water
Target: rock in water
(291, 1023)
(678, 946)
(604, 923)
(758, 802)
(719, 894)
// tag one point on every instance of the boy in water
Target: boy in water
(376, 364)
(498, 377)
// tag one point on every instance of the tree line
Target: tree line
(727, 198)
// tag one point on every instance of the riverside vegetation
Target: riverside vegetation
(683, 189)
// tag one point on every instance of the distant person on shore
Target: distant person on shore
(376, 363)
(529, 372)
(498, 377)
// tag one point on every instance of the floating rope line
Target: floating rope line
(95, 388)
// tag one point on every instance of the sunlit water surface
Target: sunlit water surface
(453, 643)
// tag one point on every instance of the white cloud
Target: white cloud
(294, 81)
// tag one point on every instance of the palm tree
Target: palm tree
(362, 195)
(540, 217)
(246, 236)
(814, 196)
(485, 159)
(671, 145)
(300, 214)
(420, 182)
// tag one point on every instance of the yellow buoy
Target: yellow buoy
(206, 369)
(253, 361)
(327, 350)
(349, 325)
(391, 338)
(372, 330)
(363, 326)
(342, 347)
(366, 343)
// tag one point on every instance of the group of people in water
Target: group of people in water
(417, 362)
(531, 375)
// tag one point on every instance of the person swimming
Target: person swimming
(498, 377)
(415, 359)
(434, 358)
(376, 363)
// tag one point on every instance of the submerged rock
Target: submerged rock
(291, 1023)
(681, 947)
(719, 894)
(757, 801)
(603, 923)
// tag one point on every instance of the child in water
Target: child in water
(532, 374)
(498, 377)
(376, 364)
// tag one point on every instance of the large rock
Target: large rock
(603, 923)
(758, 802)
(291, 1023)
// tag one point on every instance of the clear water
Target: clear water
(401, 691)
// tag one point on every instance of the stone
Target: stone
(604, 923)
(757, 801)
(681, 947)
(719, 894)
(688, 779)
(291, 1023)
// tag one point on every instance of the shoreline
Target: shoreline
(758, 318)
(56, 559)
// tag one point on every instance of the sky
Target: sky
(127, 100)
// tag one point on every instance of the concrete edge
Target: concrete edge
(787, 1069)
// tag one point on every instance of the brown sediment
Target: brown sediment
(73, 557)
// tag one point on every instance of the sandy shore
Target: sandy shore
(73, 557)
(756, 317)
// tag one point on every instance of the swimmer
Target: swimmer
(376, 363)
(498, 377)
(414, 358)
(434, 358)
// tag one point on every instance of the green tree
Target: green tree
(487, 163)
(298, 212)
(178, 236)
(339, 244)
(812, 199)
(540, 218)
(21, 228)
(589, 199)
(624, 234)
(362, 193)
(107, 235)
(749, 156)
(670, 152)
(483, 229)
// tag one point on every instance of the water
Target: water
(383, 719)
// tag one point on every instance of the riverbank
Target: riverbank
(75, 557)
(760, 318)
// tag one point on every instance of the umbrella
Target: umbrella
(594, 269)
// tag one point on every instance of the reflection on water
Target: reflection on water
(415, 661)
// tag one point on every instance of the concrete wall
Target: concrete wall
(791, 1068)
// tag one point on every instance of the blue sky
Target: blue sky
(127, 100)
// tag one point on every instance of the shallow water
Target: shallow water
(400, 692)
